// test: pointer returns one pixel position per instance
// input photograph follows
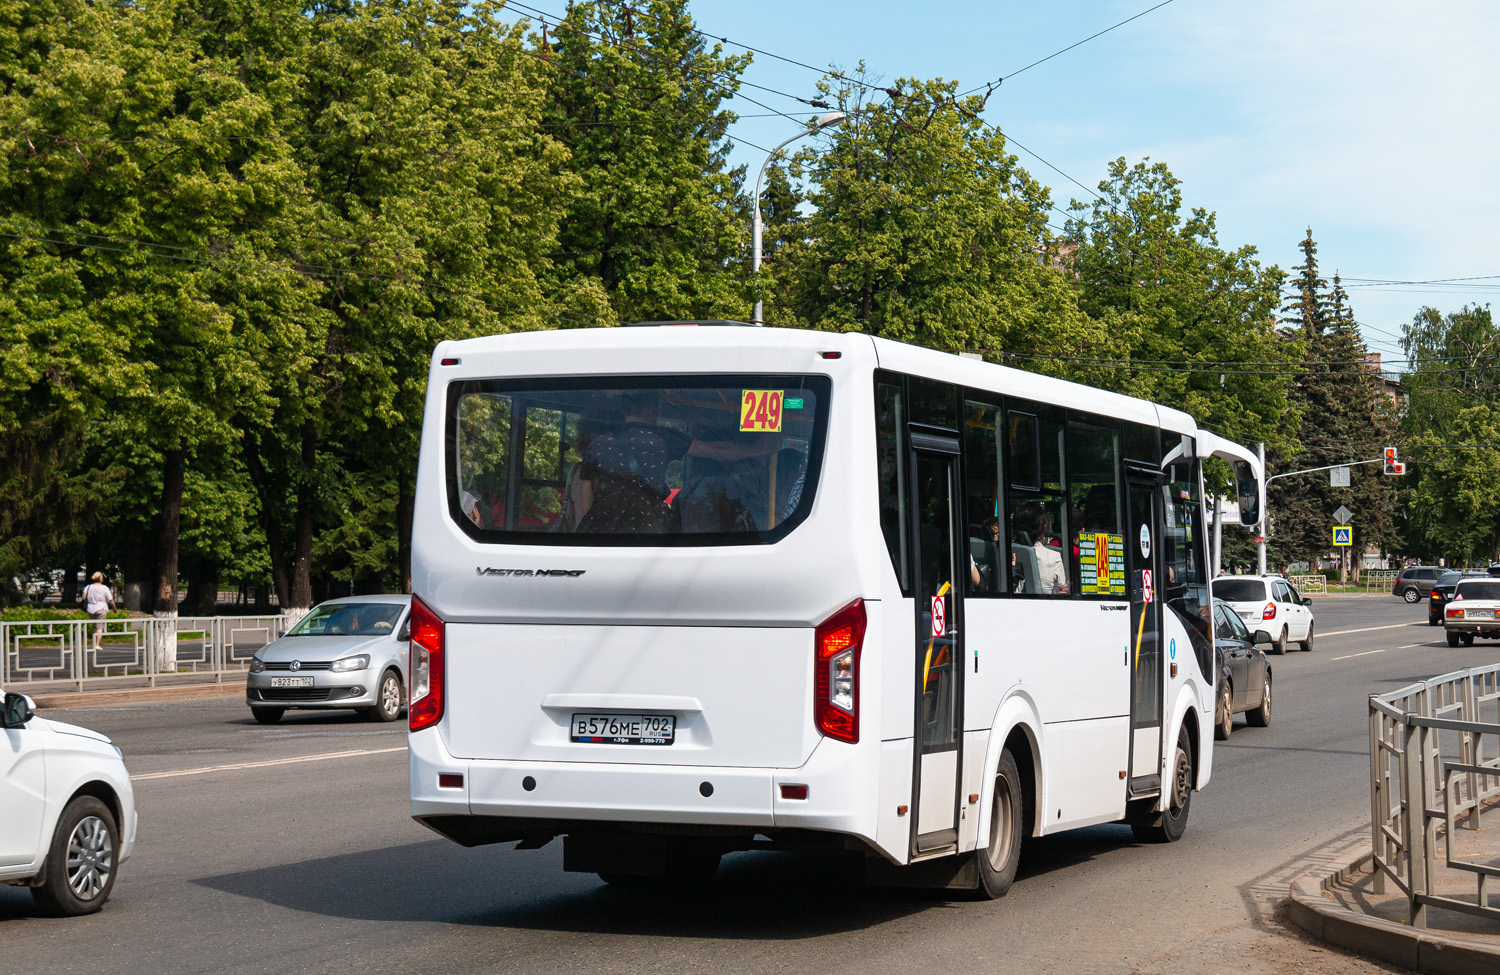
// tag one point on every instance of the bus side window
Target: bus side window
(989, 559)
(1036, 502)
(889, 421)
(1094, 497)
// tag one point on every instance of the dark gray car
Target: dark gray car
(348, 653)
(1244, 673)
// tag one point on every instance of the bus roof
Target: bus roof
(591, 352)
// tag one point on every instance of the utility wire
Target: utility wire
(1065, 50)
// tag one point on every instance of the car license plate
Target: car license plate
(292, 681)
(1480, 614)
(624, 729)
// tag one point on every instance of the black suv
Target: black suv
(1414, 583)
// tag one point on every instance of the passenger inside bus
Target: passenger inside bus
(1035, 524)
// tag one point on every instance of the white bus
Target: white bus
(687, 591)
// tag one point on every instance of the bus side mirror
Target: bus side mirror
(1247, 491)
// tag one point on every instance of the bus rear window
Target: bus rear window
(687, 460)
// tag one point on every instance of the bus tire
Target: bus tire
(998, 860)
(1152, 826)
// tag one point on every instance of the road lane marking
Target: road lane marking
(1369, 629)
(275, 761)
(1350, 656)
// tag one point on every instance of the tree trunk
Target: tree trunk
(405, 507)
(135, 568)
(164, 606)
(174, 472)
(300, 599)
(268, 523)
(68, 591)
(202, 597)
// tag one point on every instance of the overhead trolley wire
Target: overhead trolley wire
(1065, 50)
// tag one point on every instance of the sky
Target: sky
(1373, 123)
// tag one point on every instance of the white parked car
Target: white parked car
(1473, 611)
(67, 812)
(1269, 604)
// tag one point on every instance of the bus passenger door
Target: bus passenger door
(939, 655)
(1143, 542)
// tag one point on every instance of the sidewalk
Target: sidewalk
(231, 686)
(1339, 905)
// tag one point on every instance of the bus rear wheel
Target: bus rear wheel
(1151, 826)
(998, 860)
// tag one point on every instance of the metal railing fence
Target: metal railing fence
(1309, 584)
(61, 654)
(1428, 743)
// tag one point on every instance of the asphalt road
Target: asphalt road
(315, 866)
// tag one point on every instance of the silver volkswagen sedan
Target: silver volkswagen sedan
(348, 653)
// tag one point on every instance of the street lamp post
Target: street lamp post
(825, 121)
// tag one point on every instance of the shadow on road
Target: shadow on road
(754, 896)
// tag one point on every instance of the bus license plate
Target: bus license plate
(291, 682)
(624, 729)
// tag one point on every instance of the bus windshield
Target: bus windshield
(655, 461)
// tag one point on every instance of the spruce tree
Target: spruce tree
(1343, 420)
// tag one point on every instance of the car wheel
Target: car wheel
(268, 715)
(1411, 595)
(80, 865)
(998, 861)
(1261, 717)
(389, 700)
(1452, 639)
(1151, 826)
(1279, 645)
(1223, 716)
(1467, 639)
(1434, 620)
(1307, 643)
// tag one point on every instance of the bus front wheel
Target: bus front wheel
(1151, 826)
(998, 861)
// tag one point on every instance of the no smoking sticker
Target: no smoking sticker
(939, 623)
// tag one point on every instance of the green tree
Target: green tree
(1453, 371)
(636, 97)
(925, 230)
(1344, 418)
(1171, 297)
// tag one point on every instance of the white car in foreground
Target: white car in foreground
(67, 812)
(1269, 604)
(1473, 611)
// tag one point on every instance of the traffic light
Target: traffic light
(1392, 465)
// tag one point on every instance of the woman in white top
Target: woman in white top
(97, 601)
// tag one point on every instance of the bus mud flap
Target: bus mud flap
(960, 872)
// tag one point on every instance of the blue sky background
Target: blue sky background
(1374, 122)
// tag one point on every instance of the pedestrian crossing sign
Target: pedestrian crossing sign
(1343, 535)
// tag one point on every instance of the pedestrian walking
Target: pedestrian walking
(97, 601)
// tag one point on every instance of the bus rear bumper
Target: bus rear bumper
(526, 798)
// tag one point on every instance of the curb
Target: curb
(139, 695)
(1399, 944)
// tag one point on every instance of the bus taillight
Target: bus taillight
(426, 707)
(836, 646)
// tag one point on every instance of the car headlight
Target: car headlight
(346, 664)
(257, 665)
